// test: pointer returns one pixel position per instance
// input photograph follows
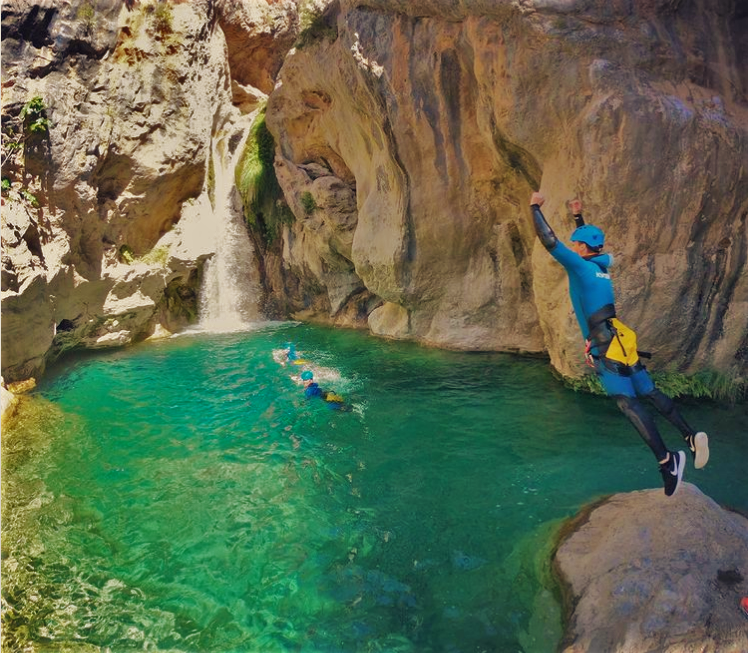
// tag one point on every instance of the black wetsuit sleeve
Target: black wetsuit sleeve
(578, 220)
(543, 229)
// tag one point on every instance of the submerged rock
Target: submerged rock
(650, 573)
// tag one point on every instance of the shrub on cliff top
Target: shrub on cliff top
(316, 25)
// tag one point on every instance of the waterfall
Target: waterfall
(230, 290)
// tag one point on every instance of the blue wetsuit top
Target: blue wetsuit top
(312, 390)
(590, 286)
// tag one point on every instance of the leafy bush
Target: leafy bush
(265, 207)
(126, 255)
(587, 383)
(308, 202)
(703, 385)
(5, 186)
(34, 116)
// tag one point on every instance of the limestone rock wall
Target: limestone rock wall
(442, 117)
(409, 136)
(104, 224)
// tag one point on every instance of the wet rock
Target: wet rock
(99, 243)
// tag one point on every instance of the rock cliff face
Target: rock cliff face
(442, 117)
(409, 136)
(652, 573)
(105, 223)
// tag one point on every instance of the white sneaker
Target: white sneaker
(699, 446)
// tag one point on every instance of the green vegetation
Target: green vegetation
(702, 385)
(31, 122)
(265, 208)
(126, 255)
(34, 116)
(5, 185)
(315, 26)
(211, 180)
(87, 16)
(587, 383)
(29, 197)
(163, 18)
(157, 256)
(308, 202)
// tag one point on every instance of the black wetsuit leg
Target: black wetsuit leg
(644, 423)
(666, 406)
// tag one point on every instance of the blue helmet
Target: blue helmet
(590, 235)
(307, 375)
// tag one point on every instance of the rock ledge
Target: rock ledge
(646, 572)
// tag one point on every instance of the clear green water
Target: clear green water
(184, 496)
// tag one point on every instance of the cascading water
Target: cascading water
(231, 286)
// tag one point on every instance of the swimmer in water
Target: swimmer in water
(292, 356)
(311, 389)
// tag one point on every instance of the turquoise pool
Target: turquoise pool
(183, 495)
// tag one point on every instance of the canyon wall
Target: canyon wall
(108, 216)
(409, 136)
(442, 117)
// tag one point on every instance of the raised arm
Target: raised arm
(576, 209)
(542, 228)
(566, 257)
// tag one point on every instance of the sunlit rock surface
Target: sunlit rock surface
(135, 93)
(648, 572)
(443, 116)
(409, 136)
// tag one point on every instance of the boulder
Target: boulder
(8, 403)
(646, 572)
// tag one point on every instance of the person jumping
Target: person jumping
(611, 345)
